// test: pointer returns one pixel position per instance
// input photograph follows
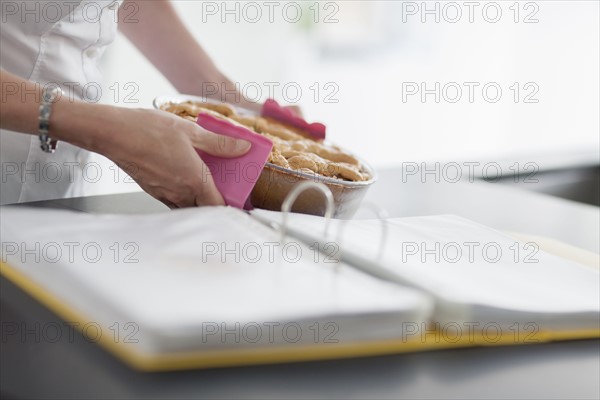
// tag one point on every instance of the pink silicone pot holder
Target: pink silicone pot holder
(272, 109)
(235, 177)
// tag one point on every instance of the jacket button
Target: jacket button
(91, 52)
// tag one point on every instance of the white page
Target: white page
(172, 276)
(495, 280)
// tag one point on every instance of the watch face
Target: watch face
(51, 94)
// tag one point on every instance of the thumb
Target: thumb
(218, 145)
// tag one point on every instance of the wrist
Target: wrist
(82, 124)
(49, 97)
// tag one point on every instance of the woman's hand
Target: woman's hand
(157, 150)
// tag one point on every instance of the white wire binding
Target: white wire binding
(286, 207)
(382, 216)
(291, 198)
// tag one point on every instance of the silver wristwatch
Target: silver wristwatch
(49, 96)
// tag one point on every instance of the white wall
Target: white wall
(377, 48)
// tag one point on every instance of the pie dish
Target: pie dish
(295, 157)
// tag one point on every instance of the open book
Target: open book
(218, 286)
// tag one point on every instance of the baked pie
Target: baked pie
(292, 148)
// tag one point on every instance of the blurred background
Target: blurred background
(510, 83)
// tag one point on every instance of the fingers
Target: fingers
(167, 203)
(194, 191)
(213, 200)
(202, 192)
(194, 199)
(207, 194)
(218, 145)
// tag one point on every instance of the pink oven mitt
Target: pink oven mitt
(235, 177)
(272, 109)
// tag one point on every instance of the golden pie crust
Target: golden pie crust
(292, 148)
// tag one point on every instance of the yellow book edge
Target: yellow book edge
(282, 354)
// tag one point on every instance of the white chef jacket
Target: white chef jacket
(52, 43)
